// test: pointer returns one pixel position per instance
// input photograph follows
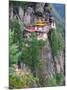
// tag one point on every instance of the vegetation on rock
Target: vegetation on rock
(30, 53)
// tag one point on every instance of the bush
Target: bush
(56, 41)
(13, 54)
(52, 82)
(22, 81)
(55, 80)
(15, 41)
(59, 78)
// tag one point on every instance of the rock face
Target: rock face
(40, 7)
(60, 62)
(47, 68)
(47, 58)
(27, 19)
(11, 12)
(21, 13)
(29, 10)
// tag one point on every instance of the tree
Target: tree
(18, 37)
(56, 44)
(31, 53)
(56, 41)
(15, 41)
(13, 49)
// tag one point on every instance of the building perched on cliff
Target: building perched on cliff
(40, 25)
(38, 20)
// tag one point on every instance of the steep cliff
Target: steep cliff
(52, 59)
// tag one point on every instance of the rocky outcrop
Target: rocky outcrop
(21, 13)
(47, 58)
(40, 7)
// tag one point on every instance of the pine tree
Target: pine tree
(13, 49)
(56, 44)
(15, 41)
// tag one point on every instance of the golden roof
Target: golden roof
(40, 23)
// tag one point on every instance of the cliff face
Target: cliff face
(49, 66)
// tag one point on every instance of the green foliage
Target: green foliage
(22, 81)
(31, 54)
(13, 54)
(41, 43)
(11, 47)
(17, 36)
(26, 56)
(52, 82)
(42, 74)
(59, 78)
(55, 80)
(15, 41)
(56, 41)
(18, 46)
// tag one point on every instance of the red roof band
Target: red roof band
(30, 30)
